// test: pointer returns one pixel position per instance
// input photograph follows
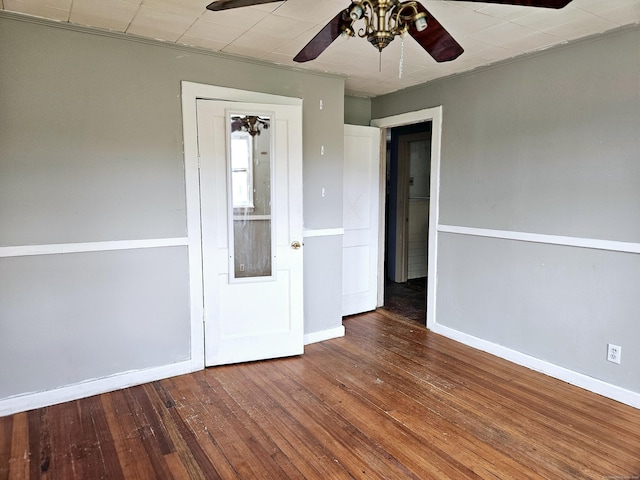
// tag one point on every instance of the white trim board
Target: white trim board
(583, 381)
(324, 232)
(409, 118)
(29, 401)
(329, 334)
(192, 91)
(593, 243)
(65, 248)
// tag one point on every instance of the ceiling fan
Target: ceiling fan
(383, 21)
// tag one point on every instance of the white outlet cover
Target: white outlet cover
(614, 352)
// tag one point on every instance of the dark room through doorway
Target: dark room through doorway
(407, 220)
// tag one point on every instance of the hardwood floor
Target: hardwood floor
(389, 400)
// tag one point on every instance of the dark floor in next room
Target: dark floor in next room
(408, 300)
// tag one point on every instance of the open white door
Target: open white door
(251, 209)
(361, 204)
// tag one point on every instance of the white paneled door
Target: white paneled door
(251, 215)
(361, 205)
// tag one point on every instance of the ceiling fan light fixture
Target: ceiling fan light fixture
(385, 19)
(356, 11)
(348, 32)
(420, 21)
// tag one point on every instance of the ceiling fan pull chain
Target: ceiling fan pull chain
(401, 58)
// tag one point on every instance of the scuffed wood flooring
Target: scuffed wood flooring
(389, 400)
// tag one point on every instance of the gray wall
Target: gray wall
(68, 318)
(91, 150)
(544, 144)
(357, 110)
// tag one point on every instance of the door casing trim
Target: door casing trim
(434, 115)
(190, 93)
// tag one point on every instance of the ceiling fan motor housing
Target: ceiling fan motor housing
(380, 39)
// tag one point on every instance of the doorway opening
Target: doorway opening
(434, 116)
(407, 204)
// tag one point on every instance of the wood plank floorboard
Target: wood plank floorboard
(476, 389)
(390, 400)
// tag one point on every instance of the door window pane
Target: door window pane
(251, 236)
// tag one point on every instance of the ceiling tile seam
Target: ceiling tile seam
(189, 27)
(213, 25)
(134, 16)
(598, 16)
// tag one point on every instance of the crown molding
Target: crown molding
(159, 43)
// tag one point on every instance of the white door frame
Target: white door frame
(435, 116)
(190, 93)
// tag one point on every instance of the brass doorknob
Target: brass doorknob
(295, 245)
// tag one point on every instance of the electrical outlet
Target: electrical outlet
(614, 352)
(242, 267)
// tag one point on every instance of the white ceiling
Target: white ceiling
(275, 32)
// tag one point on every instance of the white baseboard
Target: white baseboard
(591, 384)
(29, 401)
(316, 337)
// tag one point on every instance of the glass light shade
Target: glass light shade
(356, 12)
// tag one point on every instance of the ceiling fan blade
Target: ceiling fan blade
(528, 3)
(227, 4)
(322, 40)
(435, 39)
